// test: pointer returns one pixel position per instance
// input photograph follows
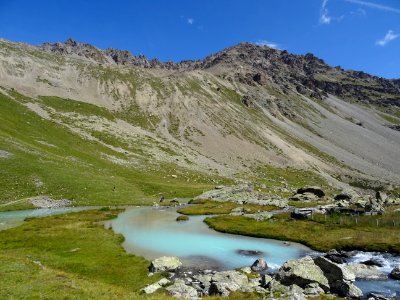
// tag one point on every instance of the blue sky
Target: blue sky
(355, 34)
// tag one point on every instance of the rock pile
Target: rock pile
(296, 279)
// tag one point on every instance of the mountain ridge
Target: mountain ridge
(301, 70)
(246, 108)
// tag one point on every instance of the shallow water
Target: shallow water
(10, 219)
(388, 287)
(154, 232)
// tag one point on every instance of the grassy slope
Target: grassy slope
(334, 233)
(73, 167)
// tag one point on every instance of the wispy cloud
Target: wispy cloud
(389, 36)
(190, 21)
(267, 43)
(375, 6)
(324, 17)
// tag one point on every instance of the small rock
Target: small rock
(259, 265)
(395, 273)
(373, 262)
(155, 286)
(250, 252)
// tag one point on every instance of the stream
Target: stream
(153, 232)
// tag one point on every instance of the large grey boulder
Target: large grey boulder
(395, 273)
(165, 263)
(362, 271)
(223, 283)
(302, 272)
(259, 265)
(180, 290)
(340, 279)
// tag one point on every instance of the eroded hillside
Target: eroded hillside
(247, 112)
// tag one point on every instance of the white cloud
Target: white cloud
(190, 21)
(359, 12)
(324, 17)
(267, 43)
(375, 6)
(389, 36)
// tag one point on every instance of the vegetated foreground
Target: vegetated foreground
(73, 256)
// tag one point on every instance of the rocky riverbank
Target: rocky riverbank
(301, 278)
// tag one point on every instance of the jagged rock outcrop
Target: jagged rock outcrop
(306, 74)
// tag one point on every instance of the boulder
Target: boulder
(311, 189)
(223, 283)
(238, 211)
(337, 257)
(180, 290)
(302, 272)
(366, 272)
(304, 197)
(381, 196)
(259, 265)
(165, 263)
(340, 279)
(373, 262)
(155, 286)
(347, 195)
(260, 216)
(374, 205)
(395, 273)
